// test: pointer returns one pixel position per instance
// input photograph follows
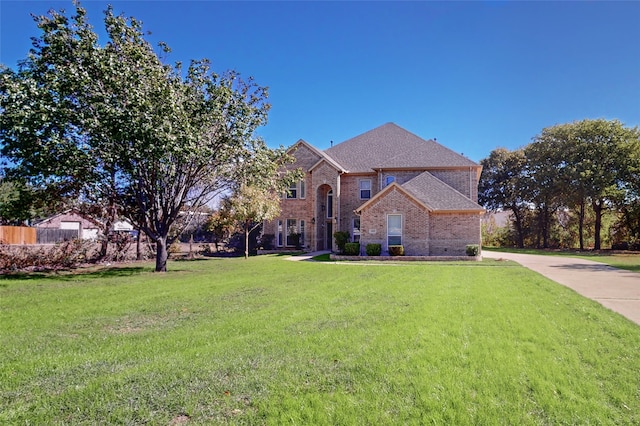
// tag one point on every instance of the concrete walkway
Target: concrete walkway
(307, 256)
(616, 289)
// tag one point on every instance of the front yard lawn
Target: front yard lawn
(269, 341)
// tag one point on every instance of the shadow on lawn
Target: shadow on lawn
(75, 274)
(599, 267)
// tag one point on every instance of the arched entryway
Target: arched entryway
(324, 219)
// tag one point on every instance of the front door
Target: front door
(329, 236)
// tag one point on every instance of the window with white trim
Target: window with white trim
(280, 241)
(365, 189)
(389, 180)
(355, 230)
(293, 190)
(292, 228)
(329, 204)
(295, 226)
(296, 190)
(394, 230)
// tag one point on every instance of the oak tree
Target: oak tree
(113, 122)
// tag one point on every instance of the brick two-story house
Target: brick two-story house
(384, 186)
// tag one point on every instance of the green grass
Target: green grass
(269, 341)
(629, 261)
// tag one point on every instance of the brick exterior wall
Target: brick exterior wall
(463, 181)
(305, 158)
(297, 208)
(318, 182)
(424, 233)
(451, 232)
(324, 178)
(415, 223)
(350, 198)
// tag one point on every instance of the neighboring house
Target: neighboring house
(71, 220)
(386, 186)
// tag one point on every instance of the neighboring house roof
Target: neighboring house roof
(431, 193)
(392, 147)
(72, 212)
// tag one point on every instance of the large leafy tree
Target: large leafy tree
(629, 203)
(591, 163)
(587, 166)
(503, 186)
(545, 174)
(114, 123)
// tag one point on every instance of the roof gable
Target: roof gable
(439, 196)
(392, 147)
(431, 193)
(388, 189)
(310, 157)
(72, 213)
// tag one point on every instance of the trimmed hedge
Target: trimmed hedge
(352, 249)
(396, 250)
(472, 249)
(373, 249)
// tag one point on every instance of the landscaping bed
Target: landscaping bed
(408, 258)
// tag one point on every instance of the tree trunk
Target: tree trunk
(519, 227)
(597, 208)
(539, 226)
(138, 247)
(246, 240)
(546, 218)
(161, 254)
(108, 230)
(581, 224)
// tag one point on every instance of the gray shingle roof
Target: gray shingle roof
(437, 195)
(390, 146)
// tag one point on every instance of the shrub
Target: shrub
(295, 238)
(174, 249)
(266, 241)
(121, 243)
(373, 249)
(342, 238)
(396, 250)
(65, 255)
(472, 249)
(352, 249)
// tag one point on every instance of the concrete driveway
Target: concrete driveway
(616, 289)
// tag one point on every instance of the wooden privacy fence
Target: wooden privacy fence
(17, 235)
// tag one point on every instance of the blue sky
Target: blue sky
(474, 75)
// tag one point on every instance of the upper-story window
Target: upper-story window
(296, 190)
(389, 180)
(365, 189)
